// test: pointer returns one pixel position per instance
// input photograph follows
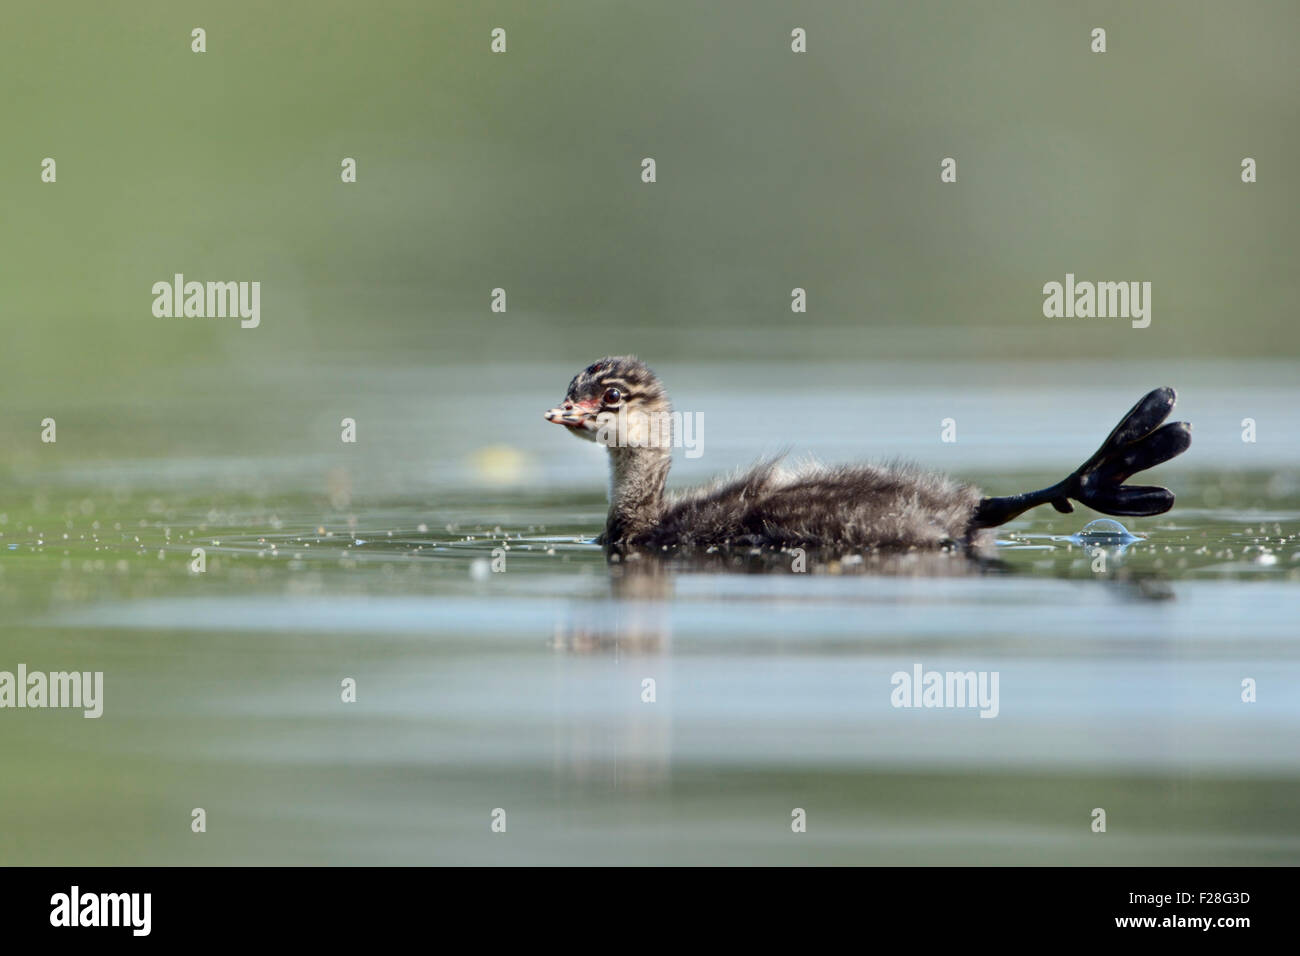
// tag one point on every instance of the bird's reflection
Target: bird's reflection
(632, 620)
(616, 656)
(616, 651)
(635, 618)
(616, 686)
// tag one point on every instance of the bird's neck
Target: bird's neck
(636, 490)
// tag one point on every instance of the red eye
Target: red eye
(612, 396)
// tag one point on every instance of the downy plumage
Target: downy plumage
(620, 403)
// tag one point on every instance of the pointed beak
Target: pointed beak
(569, 414)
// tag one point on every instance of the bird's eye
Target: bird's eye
(612, 396)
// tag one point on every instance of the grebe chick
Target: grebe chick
(620, 403)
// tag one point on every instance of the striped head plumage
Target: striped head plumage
(617, 401)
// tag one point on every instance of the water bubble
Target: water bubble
(1104, 531)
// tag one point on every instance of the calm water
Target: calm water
(522, 689)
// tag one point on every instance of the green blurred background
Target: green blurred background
(521, 170)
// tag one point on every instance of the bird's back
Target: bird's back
(849, 507)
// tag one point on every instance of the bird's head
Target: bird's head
(618, 402)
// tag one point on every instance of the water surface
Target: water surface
(1120, 681)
